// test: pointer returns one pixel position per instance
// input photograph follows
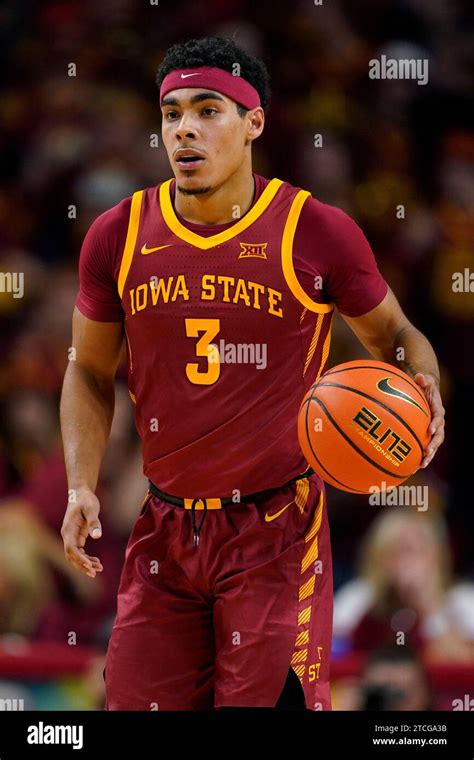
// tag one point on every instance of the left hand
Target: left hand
(430, 386)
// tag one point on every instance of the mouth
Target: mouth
(188, 159)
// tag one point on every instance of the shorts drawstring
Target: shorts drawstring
(197, 528)
(224, 502)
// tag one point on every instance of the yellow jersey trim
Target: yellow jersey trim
(325, 354)
(287, 257)
(314, 342)
(131, 240)
(210, 504)
(205, 243)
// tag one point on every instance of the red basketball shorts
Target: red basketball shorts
(220, 624)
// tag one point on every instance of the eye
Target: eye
(170, 115)
(209, 111)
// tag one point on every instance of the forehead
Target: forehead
(189, 96)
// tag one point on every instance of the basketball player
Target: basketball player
(224, 284)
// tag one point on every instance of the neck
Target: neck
(221, 204)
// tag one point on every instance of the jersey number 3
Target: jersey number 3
(204, 347)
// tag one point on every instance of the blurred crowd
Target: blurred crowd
(79, 111)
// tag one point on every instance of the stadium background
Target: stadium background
(73, 146)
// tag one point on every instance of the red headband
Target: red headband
(215, 79)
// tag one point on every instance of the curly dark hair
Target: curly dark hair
(221, 53)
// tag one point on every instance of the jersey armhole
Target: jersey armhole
(131, 239)
(287, 256)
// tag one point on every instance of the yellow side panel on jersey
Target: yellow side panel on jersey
(131, 240)
(314, 342)
(287, 257)
(325, 353)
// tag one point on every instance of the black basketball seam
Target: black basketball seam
(359, 451)
(397, 373)
(308, 438)
(380, 403)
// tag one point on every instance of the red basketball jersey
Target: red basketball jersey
(223, 343)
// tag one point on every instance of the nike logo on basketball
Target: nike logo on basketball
(146, 250)
(384, 387)
(269, 518)
(185, 76)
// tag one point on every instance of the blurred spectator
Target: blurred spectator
(41, 595)
(25, 578)
(392, 679)
(405, 591)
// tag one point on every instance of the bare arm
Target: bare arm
(389, 336)
(87, 407)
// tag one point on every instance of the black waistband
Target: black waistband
(179, 502)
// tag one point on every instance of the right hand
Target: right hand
(80, 521)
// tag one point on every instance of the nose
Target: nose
(185, 129)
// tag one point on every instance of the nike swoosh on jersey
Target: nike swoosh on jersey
(146, 250)
(384, 386)
(269, 518)
(185, 76)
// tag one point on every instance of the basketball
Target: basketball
(364, 424)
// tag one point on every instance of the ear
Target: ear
(255, 123)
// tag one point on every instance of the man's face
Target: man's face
(205, 137)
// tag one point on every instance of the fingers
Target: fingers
(421, 379)
(81, 521)
(435, 443)
(433, 446)
(93, 565)
(437, 423)
(430, 388)
(427, 382)
(437, 412)
(91, 514)
(81, 561)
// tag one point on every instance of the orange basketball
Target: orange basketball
(364, 424)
